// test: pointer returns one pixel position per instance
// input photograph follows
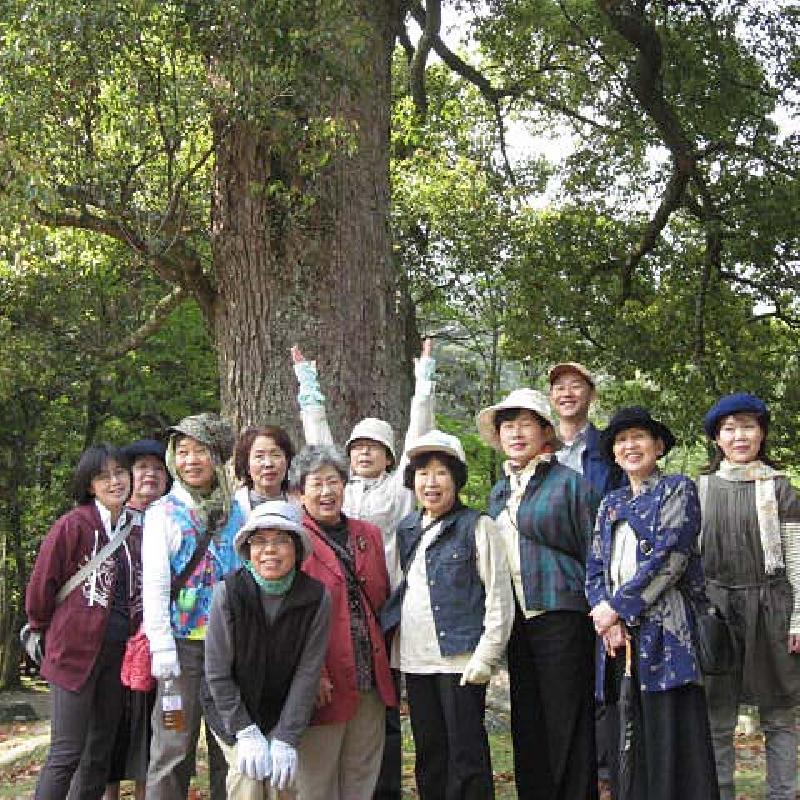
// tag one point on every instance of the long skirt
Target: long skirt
(673, 757)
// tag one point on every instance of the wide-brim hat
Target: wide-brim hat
(436, 441)
(378, 430)
(570, 366)
(215, 433)
(528, 399)
(738, 403)
(634, 417)
(274, 515)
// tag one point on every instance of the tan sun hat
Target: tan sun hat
(528, 399)
(373, 428)
(438, 442)
(571, 366)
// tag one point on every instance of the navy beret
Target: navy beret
(634, 417)
(739, 403)
(145, 447)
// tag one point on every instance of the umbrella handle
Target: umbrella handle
(628, 657)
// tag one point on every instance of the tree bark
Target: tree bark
(322, 277)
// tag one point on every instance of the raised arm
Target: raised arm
(311, 399)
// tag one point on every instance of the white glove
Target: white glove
(476, 671)
(252, 753)
(284, 764)
(165, 664)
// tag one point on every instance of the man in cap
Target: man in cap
(572, 391)
(375, 492)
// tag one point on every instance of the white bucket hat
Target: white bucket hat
(376, 429)
(438, 442)
(528, 399)
(275, 515)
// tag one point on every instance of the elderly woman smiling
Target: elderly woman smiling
(456, 609)
(340, 752)
(643, 570)
(265, 645)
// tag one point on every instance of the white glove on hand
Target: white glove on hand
(252, 753)
(476, 671)
(284, 764)
(165, 664)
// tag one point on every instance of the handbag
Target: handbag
(136, 664)
(714, 639)
(32, 640)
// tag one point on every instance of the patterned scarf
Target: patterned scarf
(766, 507)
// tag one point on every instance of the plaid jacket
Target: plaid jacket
(555, 521)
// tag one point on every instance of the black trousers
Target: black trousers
(390, 779)
(452, 749)
(551, 674)
(86, 719)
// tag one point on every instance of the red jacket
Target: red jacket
(367, 544)
(75, 629)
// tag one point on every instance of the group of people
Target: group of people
(287, 612)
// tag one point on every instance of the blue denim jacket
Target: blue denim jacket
(457, 594)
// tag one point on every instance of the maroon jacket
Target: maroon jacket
(340, 667)
(75, 629)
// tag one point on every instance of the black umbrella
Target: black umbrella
(627, 725)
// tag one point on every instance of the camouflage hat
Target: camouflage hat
(216, 434)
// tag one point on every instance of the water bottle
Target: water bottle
(172, 714)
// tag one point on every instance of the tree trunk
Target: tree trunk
(322, 277)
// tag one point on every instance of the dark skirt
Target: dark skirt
(131, 753)
(673, 756)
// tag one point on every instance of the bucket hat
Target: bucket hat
(275, 515)
(528, 399)
(438, 442)
(215, 433)
(634, 417)
(376, 429)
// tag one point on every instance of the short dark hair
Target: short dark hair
(717, 455)
(92, 462)
(510, 414)
(456, 468)
(241, 455)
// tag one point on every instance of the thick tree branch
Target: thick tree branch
(155, 320)
(430, 32)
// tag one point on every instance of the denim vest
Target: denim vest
(458, 598)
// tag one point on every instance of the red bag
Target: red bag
(136, 664)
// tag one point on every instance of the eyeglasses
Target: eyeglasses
(282, 540)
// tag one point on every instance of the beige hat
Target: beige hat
(571, 366)
(276, 515)
(376, 429)
(528, 399)
(438, 442)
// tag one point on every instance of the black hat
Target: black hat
(634, 417)
(145, 447)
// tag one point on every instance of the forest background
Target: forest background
(188, 188)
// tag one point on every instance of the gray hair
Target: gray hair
(312, 458)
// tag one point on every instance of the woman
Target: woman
(261, 462)
(753, 578)
(545, 513)
(188, 547)
(265, 646)
(643, 577)
(150, 481)
(456, 611)
(87, 615)
(340, 752)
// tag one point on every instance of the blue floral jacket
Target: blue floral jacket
(665, 517)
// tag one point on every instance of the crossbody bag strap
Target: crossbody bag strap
(179, 581)
(111, 547)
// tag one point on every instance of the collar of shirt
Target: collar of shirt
(580, 438)
(367, 483)
(519, 478)
(105, 516)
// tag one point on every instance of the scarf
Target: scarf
(278, 586)
(212, 508)
(769, 525)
